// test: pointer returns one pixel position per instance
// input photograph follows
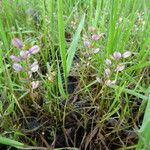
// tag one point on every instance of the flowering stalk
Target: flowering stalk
(114, 67)
(25, 55)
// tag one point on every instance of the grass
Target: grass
(81, 102)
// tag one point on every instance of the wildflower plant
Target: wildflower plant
(91, 40)
(114, 65)
(26, 63)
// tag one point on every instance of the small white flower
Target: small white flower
(34, 67)
(17, 67)
(24, 54)
(108, 62)
(96, 50)
(30, 74)
(35, 84)
(117, 55)
(110, 82)
(126, 54)
(120, 67)
(98, 80)
(120, 19)
(87, 44)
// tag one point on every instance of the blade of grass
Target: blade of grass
(74, 44)
(97, 13)
(112, 23)
(7, 141)
(144, 132)
(62, 42)
(3, 35)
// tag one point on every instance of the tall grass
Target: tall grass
(47, 23)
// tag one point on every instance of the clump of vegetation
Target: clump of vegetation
(80, 78)
(28, 68)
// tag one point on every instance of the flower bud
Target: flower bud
(24, 54)
(96, 50)
(35, 84)
(99, 80)
(126, 54)
(30, 74)
(34, 67)
(95, 37)
(117, 55)
(87, 44)
(17, 43)
(108, 62)
(120, 67)
(15, 58)
(17, 67)
(110, 82)
(34, 49)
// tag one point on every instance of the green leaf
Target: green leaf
(7, 141)
(74, 44)
(62, 43)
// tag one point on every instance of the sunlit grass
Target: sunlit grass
(79, 93)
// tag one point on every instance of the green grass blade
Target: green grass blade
(3, 35)
(7, 141)
(97, 13)
(144, 132)
(60, 84)
(74, 44)
(62, 41)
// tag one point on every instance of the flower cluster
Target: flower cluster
(25, 56)
(90, 40)
(114, 65)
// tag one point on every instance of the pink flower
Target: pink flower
(34, 67)
(24, 54)
(17, 43)
(17, 67)
(117, 55)
(35, 84)
(95, 37)
(15, 58)
(34, 49)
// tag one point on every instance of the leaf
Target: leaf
(61, 30)
(74, 44)
(7, 141)
(144, 132)
(60, 84)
